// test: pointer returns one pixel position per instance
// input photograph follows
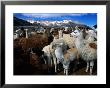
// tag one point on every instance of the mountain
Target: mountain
(55, 24)
(95, 26)
(20, 22)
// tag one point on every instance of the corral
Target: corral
(29, 60)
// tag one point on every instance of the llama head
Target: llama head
(92, 34)
(17, 30)
(75, 33)
(57, 45)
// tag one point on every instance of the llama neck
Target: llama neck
(55, 38)
(17, 33)
(91, 39)
(26, 34)
(60, 34)
(59, 52)
(79, 43)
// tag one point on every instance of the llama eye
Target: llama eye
(75, 32)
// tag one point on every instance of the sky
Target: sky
(89, 19)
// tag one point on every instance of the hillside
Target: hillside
(20, 22)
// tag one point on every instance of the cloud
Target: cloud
(78, 22)
(47, 15)
(78, 14)
(38, 15)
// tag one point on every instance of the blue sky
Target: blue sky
(89, 19)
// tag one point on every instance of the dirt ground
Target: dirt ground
(43, 70)
(27, 69)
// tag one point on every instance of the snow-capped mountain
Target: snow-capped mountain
(63, 23)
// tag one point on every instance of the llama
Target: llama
(26, 33)
(54, 45)
(34, 41)
(87, 51)
(60, 34)
(69, 56)
(47, 53)
(91, 35)
(68, 40)
(17, 34)
(64, 57)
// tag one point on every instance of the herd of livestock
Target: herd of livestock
(54, 48)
